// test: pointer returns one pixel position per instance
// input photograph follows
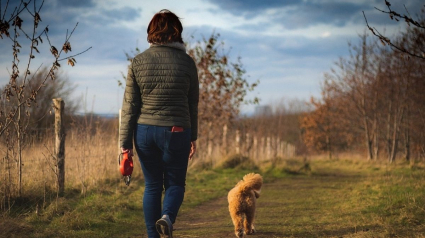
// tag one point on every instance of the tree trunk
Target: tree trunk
(388, 134)
(328, 144)
(368, 139)
(407, 144)
(407, 136)
(395, 135)
(19, 145)
(376, 146)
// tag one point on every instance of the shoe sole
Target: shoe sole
(163, 229)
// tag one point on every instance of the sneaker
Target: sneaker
(164, 227)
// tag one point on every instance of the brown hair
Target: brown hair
(165, 27)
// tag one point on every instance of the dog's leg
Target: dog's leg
(249, 222)
(237, 219)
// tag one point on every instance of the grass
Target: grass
(315, 198)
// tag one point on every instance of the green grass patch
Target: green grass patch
(300, 198)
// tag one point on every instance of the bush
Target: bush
(237, 161)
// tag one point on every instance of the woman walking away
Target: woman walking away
(160, 113)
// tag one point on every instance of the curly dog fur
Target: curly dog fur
(242, 200)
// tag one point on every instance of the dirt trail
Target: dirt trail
(297, 206)
(212, 219)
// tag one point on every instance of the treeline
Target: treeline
(374, 100)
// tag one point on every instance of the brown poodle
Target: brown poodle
(242, 203)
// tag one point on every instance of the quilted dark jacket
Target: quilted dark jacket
(162, 89)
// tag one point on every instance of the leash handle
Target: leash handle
(125, 161)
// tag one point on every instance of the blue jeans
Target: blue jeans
(164, 158)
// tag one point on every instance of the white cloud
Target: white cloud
(326, 34)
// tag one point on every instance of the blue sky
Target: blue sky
(286, 45)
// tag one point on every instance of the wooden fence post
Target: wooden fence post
(59, 106)
(255, 148)
(224, 140)
(268, 148)
(247, 147)
(262, 148)
(238, 138)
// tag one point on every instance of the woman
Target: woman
(160, 112)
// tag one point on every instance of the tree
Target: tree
(223, 85)
(375, 97)
(323, 129)
(40, 112)
(352, 85)
(26, 84)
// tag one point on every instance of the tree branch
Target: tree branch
(387, 41)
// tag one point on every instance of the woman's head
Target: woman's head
(165, 27)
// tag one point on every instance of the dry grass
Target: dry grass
(91, 157)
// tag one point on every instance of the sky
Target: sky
(286, 45)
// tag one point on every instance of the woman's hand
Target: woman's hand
(129, 151)
(192, 149)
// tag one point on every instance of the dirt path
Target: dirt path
(213, 220)
(298, 206)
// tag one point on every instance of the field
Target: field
(300, 198)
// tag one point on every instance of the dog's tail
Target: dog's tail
(252, 182)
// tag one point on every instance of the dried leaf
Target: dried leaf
(4, 28)
(54, 51)
(66, 47)
(37, 19)
(71, 61)
(17, 22)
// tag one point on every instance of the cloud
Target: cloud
(252, 7)
(107, 17)
(296, 14)
(76, 3)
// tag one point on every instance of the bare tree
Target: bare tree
(23, 90)
(377, 99)
(223, 85)
(41, 111)
(351, 85)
